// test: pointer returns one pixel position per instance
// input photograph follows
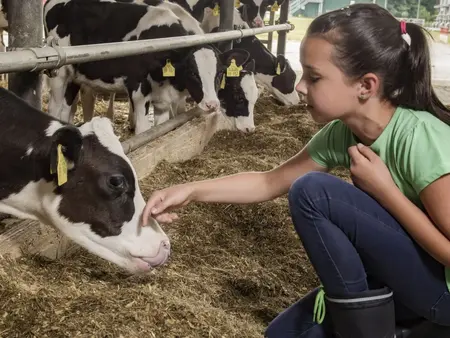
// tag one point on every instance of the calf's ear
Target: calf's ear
(250, 66)
(65, 152)
(240, 55)
(281, 63)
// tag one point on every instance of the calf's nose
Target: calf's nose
(165, 245)
(249, 129)
(259, 22)
(212, 105)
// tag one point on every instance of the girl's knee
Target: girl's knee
(310, 186)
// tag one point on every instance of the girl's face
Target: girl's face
(328, 92)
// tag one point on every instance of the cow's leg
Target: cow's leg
(62, 94)
(180, 107)
(87, 95)
(73, 108)
(71, 98)
(141, 106)
(131, 115)
(161, 115)
(110, 112)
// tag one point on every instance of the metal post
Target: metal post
(226, 22)
(418, 10)
(284, 13)
(25, 29)
(270, 36)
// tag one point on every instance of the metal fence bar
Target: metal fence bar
(25, 30)
(282, 36)
(53, 57)
(226, 22)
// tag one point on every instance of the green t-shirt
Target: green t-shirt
(415, 146)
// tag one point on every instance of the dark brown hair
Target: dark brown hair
(367, 39)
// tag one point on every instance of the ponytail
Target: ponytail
(369, 39)
(415, 89)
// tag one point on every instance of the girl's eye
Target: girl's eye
(314, 79)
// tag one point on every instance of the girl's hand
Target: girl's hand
(369, 173)
(161, 202)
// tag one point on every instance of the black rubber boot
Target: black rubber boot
(368, 314)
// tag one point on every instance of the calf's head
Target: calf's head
(238, 95)
(200, 70)
(281, 81)
(100, 204)
(251, 12)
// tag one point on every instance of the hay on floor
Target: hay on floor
(232, 270)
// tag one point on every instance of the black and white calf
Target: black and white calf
(78, 180)
(251, 10)
(197, 69)
(240, 93)
(163, 97)
(272, 72)
(238, 96)
(195, 7)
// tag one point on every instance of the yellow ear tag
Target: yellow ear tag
(237, 3)
(233, 70)
(61, 167)
(168, 69)
(278, 69)
(222, 83)
(275, 6)
(216, 10)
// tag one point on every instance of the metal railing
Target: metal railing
(53, 56)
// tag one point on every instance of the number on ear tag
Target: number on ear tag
(233, 70)
(168, 69)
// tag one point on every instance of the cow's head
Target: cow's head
(238, 95)
(251, 12)
(281, 81)
(100, 204)
(200, 69)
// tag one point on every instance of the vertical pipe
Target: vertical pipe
(270, 36)
(282, 35)
(25, 29)
(226, 22)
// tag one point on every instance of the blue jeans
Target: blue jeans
(354, 245)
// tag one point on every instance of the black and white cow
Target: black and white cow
(89, 191)
(250, 11)
(238, 96)
(162, 96)
(272, 72)
(197, 69)
(195, 7)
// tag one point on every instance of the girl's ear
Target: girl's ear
(368, 86)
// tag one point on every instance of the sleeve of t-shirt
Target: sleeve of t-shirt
(425, 156)
(328, 147)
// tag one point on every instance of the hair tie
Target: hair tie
(405, 34)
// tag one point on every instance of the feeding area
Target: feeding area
(233, 267)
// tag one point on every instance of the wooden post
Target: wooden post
(25, 29)
(226, 22)
(284, 13)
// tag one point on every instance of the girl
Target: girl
(385, 240)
